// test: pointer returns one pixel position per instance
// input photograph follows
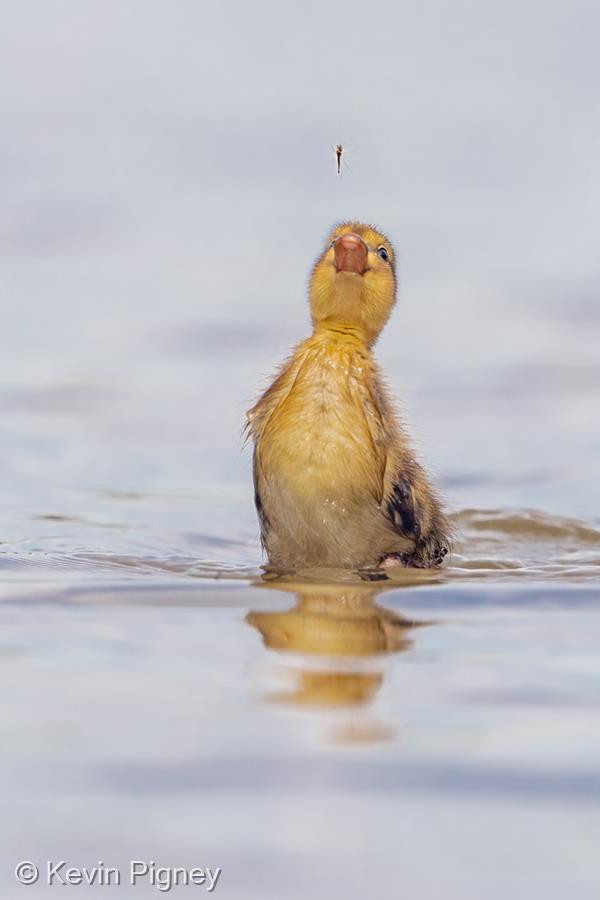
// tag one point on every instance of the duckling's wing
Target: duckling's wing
(413, 508)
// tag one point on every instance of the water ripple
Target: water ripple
(493, 544)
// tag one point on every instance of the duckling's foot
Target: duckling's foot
(395, 561)
(421, 558)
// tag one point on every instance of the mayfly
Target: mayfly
(340, 157)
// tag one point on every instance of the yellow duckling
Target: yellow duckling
(336, 482)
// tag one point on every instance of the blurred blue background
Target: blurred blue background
(167, 180)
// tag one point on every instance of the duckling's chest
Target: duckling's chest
(323, 434)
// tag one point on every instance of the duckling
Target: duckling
(336, 482)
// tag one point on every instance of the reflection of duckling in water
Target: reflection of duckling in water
(336, 483)
(338, 623)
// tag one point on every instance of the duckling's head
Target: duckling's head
(353, 282)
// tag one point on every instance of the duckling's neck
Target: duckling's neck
(338, 329)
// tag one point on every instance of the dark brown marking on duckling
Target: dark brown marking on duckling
(262, 516)
(402, 509)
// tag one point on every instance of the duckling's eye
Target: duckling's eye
(383, 253)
